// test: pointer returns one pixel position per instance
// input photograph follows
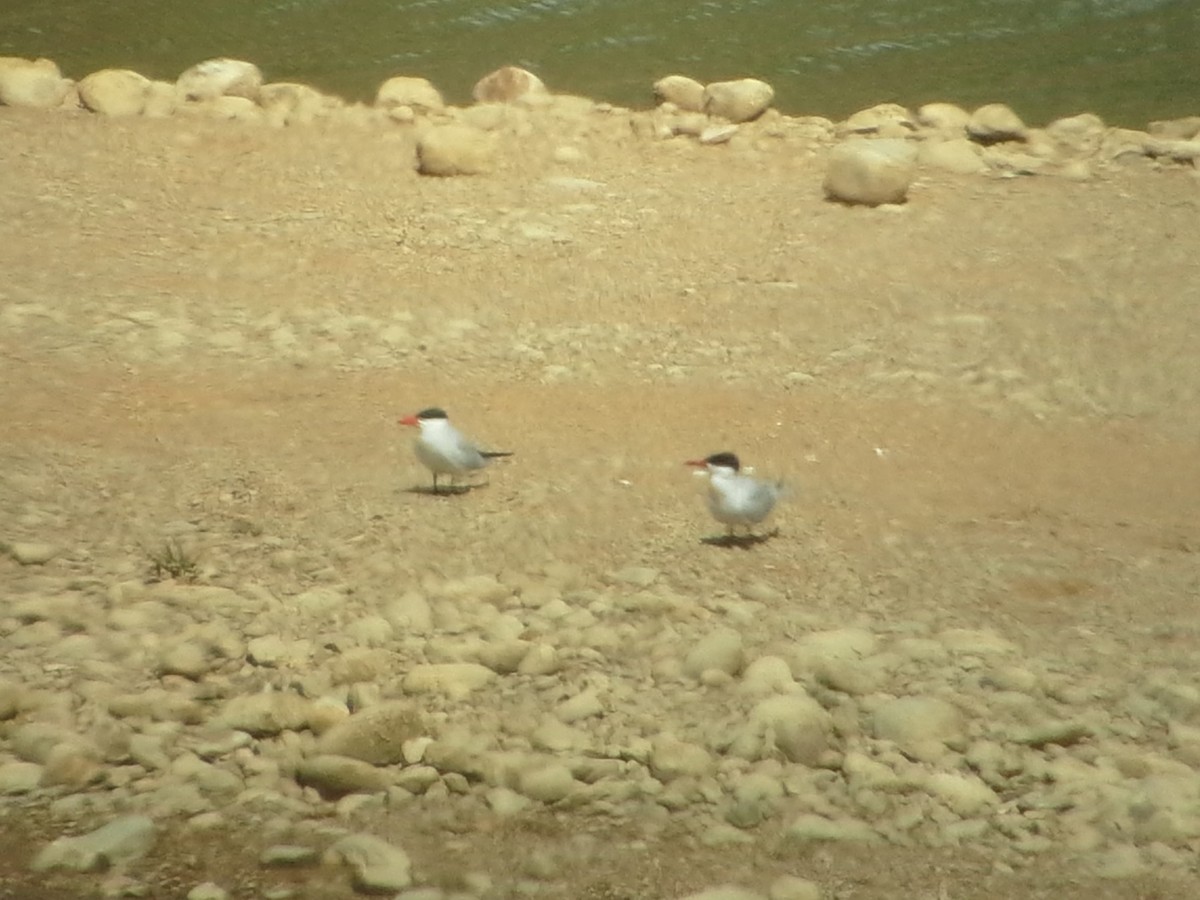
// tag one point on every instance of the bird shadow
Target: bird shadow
(426, 490)
(739, 541)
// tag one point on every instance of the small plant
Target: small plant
(173, 560)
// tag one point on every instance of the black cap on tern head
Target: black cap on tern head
(725, 459)
(434, 412)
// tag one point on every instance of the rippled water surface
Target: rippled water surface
(1128, 60)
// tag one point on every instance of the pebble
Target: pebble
(121, 841)
(377, 865)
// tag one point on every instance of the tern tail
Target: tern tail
(495, 454)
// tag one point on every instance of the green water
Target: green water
(1130, 61)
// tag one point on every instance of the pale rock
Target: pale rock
(685, 93)
(995, 122)
(712, 135)
(33, 741)
(509, 84)
(582, 706)
(635, 576)
(756, 797)
(812, 827)
(287, 103)
(768, 675)
(37, 84)
(965, 795)
(546, 782)
(410, 614)
(870, 172)
(417, 94)
(336, 776)
(812, 651)
(320, 602)
(29, 553)
(187, 658)
(378, 867)
(455, 680)
(793, 887)
(504, 657)
(944, 117)
(542, 659)
(265, 714)
(161, 100)
(73, 764)
(220, 77)
(207, 891)
(360, 664)
(417, 779)
(976, 642)
(376, 735)
(671, 758)
(10, 699)
(147, 751)
(959, 156)
(797, 725)
(505, 801)
(231, 109)
(370, 631)
(738, 101)
(866, 774)
(720, 650)
(115, 92)
(888, 120)
(447, 150)
(1184, 129)
(555, 736)
(19, 777)
(920, 726)
(724, 892)
(1184, 742)
(855, 677)
(283, 855)
(121, 841)
(1079, 136)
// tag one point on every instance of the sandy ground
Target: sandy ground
(985, 401)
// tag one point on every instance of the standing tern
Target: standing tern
(443, 449)
(734, 497)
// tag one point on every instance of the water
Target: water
(1130, 61)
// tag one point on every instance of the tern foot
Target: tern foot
(739, 541)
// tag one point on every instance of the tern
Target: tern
(734, 497)
(443, 449)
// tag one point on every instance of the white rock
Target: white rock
(871, 172)
(32, 83)
(671, 758)
(19, 777)
(720, 650)
(119, 842)
(415, 93)
(207, 891)
(724, 892)
(30, 553)
(115, 92)
(685, 93)
(377, 735)
(799, 726)
(738, 101)
(966, 795)
(265, 714)
(920, 726)
(448, 679)
(546, 782)
(447, 150)
(944, 117)
(582, 706)
(508, 85)
(221, 77)
(959, 156)
(793, 887)
(996, 122)
(378, 866)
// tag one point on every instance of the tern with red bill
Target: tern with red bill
(443, 449)
(736, 498)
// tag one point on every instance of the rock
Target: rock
(265, 714)
(115, 92)
(792, 724)
(887, 120)
(811, 827)
(711, 135)
(30, 553)
(724, 892)
(1063, 734)
(336, 776)
(738, 101)
(417, 94)
(947, 118)
(189, 659)
(376, 735)
(920, 726)
(581, 706)
(378, 866)
(870, 172)
(287, 855)
(37, 84)
(508, 85)
(966, 795)
(995, 122)
(813, 651)
(960, 156)
(721, 650)
(768, 675)
(504, 657)
(119, 842)
(288, 103)
(220, 77)
(448, 679)
(207, 891)
(792, 887)
(454, 150)
(19, 777)
(671, 758)
(756, 797)
(546, 782)
(685, 93)
(1185, 129)
(1077, 136)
